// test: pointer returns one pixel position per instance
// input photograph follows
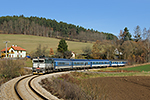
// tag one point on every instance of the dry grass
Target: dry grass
(30, 43)
(70, 87)
(83, 86)
(10, 69)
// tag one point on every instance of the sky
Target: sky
(102, 15)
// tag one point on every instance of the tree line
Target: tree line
(135, 49)
(49, 28)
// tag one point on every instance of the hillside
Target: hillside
(50, 28)
(30, 42)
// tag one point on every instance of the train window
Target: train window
(35, 61)
(41, 61)
(66, 63)
(59, 63)
(48, 61)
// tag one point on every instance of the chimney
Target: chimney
(15, 45)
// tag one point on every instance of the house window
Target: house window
(21, 51)
(12, 51)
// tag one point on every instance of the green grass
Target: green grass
(139, 68)
(30, 43)
(29, 63)
(80, 75)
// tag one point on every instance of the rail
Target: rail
(30, 86)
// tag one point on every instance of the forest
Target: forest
(135, 48)
(49, 28)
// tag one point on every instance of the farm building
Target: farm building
(13, 52)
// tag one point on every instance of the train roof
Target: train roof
(79, 60)
(98, 60)
(60, 59)
(118, 60)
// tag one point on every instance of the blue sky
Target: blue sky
(102, 15)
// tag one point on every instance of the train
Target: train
(47, 65)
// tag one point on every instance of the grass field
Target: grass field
(30, 43)
(138, 68)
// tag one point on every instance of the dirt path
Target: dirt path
(127, 88)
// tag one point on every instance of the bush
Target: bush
(10, 68)
(74, 87)
(64, 89)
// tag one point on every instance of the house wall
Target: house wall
(73, 56)
(13, 53)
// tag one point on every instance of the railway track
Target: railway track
(24, 89)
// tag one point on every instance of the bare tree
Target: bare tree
(4, 27)
(20, 25)
(10, 27)
(137, 33)
(51, 32)
(146, 36)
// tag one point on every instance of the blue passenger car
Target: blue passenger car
(60, 63)
(99, 63)
(81, 63)
(115, 63)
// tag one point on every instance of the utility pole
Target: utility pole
(6, 48)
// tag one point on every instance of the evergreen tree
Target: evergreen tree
(127, 35)
(62, 47)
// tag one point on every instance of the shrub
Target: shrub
(63, 89)
(10, 68)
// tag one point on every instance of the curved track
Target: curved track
(30, 78)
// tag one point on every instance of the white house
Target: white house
(73, 55)
(14, 51)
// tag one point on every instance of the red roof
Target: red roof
(15, 48)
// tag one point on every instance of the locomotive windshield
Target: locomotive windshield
(38, 60)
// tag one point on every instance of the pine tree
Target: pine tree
(62, 47)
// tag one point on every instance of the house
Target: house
(117, 52)
(73, 55)
(13, 52)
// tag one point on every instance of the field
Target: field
(124, 83)
(137, 68)
(30, 43)
(100, 86)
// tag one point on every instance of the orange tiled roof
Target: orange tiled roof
(15, 48)
(5, 49)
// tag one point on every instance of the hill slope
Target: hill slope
(30, 42)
